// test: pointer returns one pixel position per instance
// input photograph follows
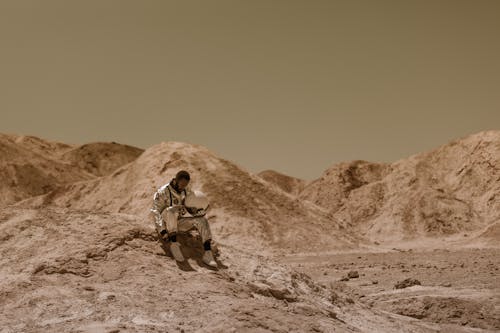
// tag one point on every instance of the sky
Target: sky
(292, 86)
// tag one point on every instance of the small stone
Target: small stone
(333, 296)
(406, 283)
(353, 274)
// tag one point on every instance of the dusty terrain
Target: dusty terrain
(459, 287)
(78, 252)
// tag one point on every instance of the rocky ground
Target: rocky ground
(458, 289)
(69, 271)
(411, 246)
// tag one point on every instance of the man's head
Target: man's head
(182, 180)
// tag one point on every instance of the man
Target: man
(169, 202)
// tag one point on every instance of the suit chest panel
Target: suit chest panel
(176, 197)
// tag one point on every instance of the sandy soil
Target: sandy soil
(458, 288)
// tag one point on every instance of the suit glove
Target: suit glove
(164, 234)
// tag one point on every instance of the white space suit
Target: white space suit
(170, 218)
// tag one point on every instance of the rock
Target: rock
(332, 314)
(305, 309)
(349, 300)
(281, 293)
(446, 284)
(406, 283)
(334, 297)
(353, 274)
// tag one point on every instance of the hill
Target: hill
(32, 166)
(449, 190)
(286, 183)
(245, 209)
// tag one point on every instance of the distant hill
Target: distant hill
(288, 184)
(451, 189)
(32, 166)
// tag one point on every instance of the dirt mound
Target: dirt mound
(246, 210)
(41, 146)
(286, 183)
(101, 158)
(448, 190)
(33, 166)
(333, 188)
(30, 166)
(449, 310)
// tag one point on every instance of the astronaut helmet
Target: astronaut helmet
(196, 203)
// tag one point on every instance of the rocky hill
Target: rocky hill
(286, 183)
(245, 210)
(449, 190)
(31, 166)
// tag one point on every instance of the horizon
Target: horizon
(290, 86)
(265, 169)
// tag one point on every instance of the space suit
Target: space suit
(168, 214)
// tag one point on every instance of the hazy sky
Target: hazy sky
(293, 86)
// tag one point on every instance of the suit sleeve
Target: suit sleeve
(192, 211)
(183, 211)
(160, 202)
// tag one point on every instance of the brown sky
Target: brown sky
(293, 86)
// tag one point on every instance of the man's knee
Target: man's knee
(204, 225)
(171, 220)
(203, 221)
(167, 214)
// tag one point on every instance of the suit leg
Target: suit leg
(200, 223)
(171, 221)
